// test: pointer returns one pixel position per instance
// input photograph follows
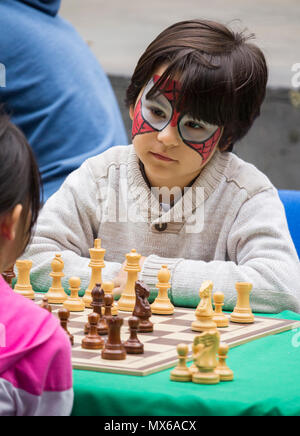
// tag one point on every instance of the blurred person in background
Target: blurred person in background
(56, 92)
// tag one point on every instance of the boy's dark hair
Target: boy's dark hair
(20, 181)
(223, 77)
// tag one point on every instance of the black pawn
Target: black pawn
(93, 341)
(108, 301)
(133, 345)
(98, 305)
(64, 315)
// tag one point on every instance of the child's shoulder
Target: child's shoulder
(114, 156)
(246, 176)
(25, 323)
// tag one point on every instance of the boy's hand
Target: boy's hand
(121, 279)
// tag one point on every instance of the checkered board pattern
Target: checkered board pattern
(160, 345)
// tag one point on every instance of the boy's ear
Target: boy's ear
(9, 223)
(131, 112)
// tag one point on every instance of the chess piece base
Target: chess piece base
(92, 344)
(180, 375)
(113, 354)
(225, 374)
(242, 317)
(74, 305)
(162, 307)
(206, 378)
(203, 325)
(55, 297)
(133, 347)
(145, 327)
(221, 321)
(27, 293)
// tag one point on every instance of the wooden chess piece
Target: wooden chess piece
(128, 298)
(98, 305)
(142, 308)
(56, 294)
(113, 348)
(242, 312)
(64, 315)
(162, 304)
(108, 303)
(219, 317)
(45, 304)
(181, 373)
(74, 303)
(206, 358)
(23, 286)
(204, 312)
(225, 373)
(9, 275)
(133, 345)
(93, 341)
(96, 264)
(108, 290)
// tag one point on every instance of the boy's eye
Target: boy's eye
(194, 125)
(157, 112)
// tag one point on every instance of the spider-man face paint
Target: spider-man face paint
(156, 113)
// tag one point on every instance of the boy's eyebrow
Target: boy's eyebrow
(159, 99)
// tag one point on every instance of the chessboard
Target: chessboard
(160, 345)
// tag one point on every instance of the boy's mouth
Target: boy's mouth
(162, 157)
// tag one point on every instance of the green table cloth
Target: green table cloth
(267, 382)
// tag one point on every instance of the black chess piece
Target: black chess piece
(113, 348)
(142, 309)
(93, 341)
(64, 315)
(133, 345)
(97, 306)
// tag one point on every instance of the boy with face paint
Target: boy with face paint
(177, 146)
(177, 194)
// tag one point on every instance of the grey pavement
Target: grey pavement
(118, 31)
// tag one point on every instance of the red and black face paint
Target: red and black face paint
(156, 113)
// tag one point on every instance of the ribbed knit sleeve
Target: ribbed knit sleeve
(257, 252)
(68, 224)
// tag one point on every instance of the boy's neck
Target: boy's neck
(164, 184)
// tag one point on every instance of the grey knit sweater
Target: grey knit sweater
(229, 226)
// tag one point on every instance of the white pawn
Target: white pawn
(74, 303)
(219, 317)
(162, 304)
(181, 373)
(56, 294)
(225, 373)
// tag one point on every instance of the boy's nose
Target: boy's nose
(169, 136)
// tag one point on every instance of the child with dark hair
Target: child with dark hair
(178, 195)
(35, 354)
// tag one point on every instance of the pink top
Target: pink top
(35, 359)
